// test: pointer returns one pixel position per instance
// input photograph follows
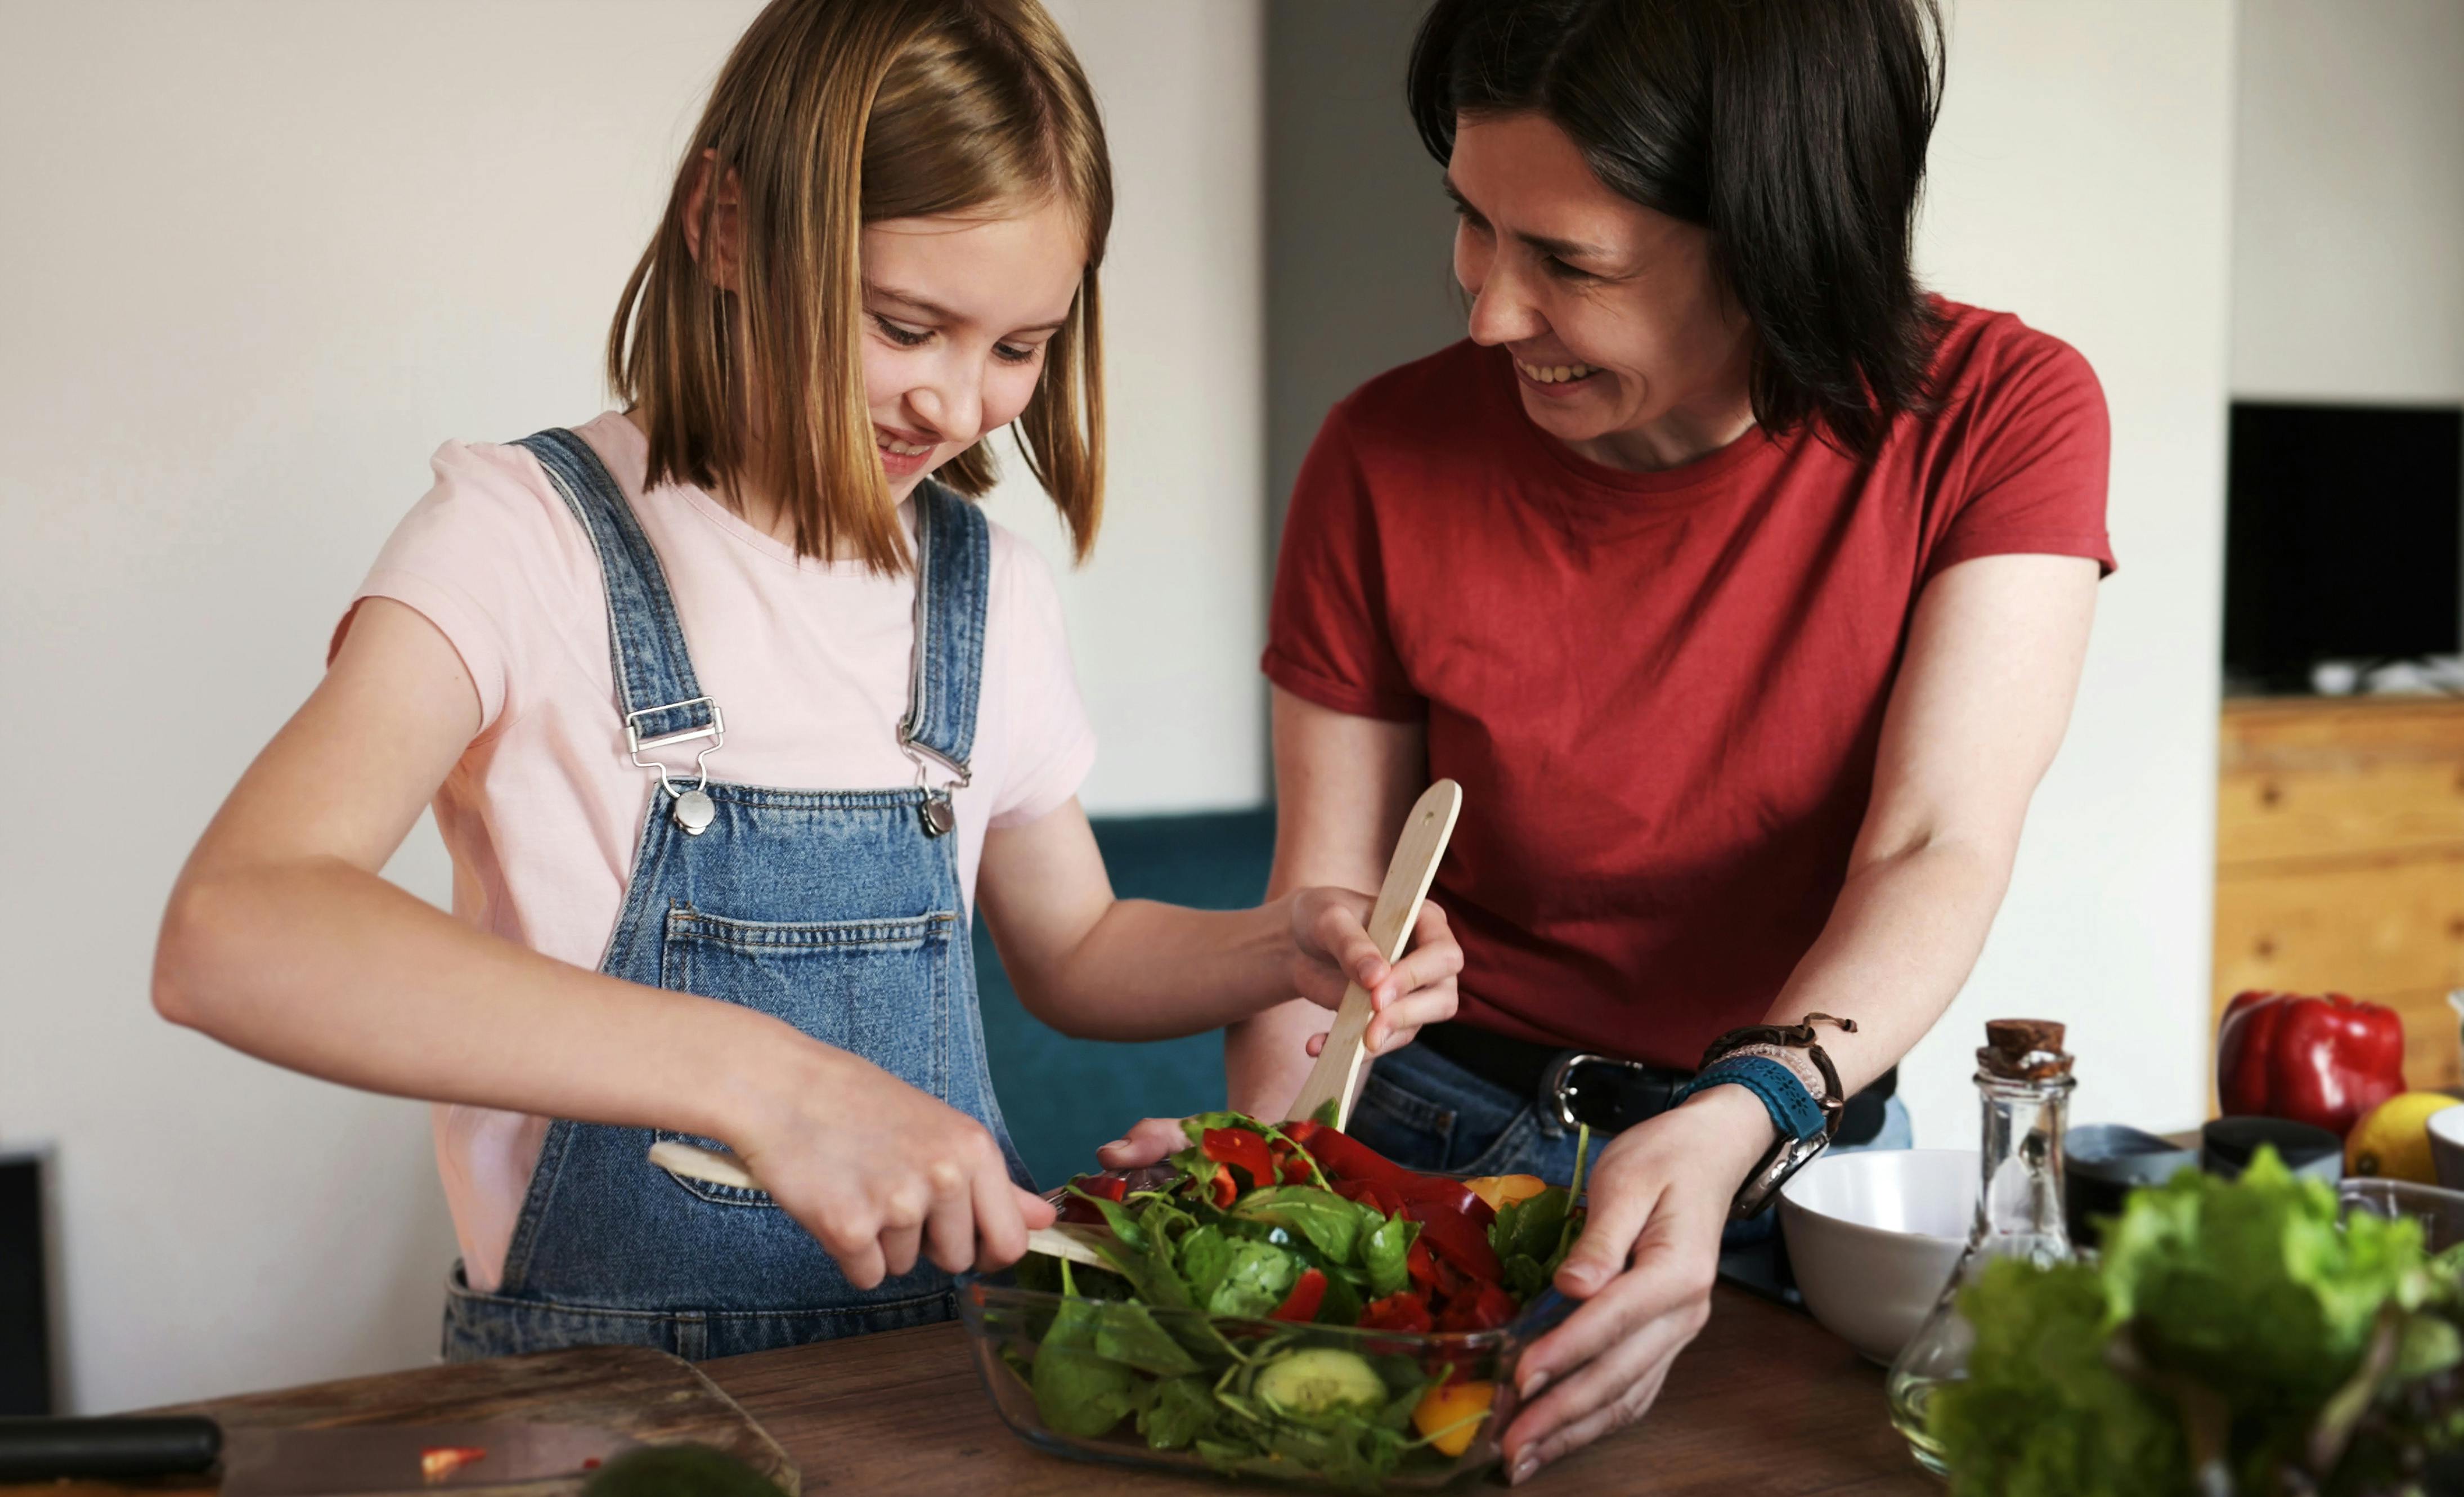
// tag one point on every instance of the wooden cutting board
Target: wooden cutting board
(650, 1396)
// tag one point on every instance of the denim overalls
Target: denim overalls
(838, 912)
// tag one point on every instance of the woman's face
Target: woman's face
(1625, 346)
(958, 314)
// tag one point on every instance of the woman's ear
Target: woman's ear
(725, 215)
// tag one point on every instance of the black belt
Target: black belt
(1607, 1093)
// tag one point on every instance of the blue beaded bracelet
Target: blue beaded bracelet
(1793, 1110)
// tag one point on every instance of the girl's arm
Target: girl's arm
(1099, 967)
(1982, 699)
(281, 939)
(1343, 787)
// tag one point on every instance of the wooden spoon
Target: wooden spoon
(1336, 1076)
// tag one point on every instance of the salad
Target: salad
(1287, 1302)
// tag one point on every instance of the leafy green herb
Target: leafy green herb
(2233, 1335)
(1330, 1222)
(1386, 1253)
(1183, 1409)
(1078, 1391)
(1256, 1277)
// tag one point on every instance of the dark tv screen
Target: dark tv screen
(2344, 536)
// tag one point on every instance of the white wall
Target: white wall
(262, 257)
(2348, 202)
(1168, 619)
(2079, 177)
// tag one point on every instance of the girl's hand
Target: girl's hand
(1332, 950)
(879, 1172)
(1643, 1266)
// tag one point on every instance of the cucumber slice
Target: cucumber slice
(1320, 1381)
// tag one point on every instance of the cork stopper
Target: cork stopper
(2023, 1050)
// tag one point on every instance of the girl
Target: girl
(596, 651)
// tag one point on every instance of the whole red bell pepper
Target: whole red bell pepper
(2324, 1060)
(1301, 1303)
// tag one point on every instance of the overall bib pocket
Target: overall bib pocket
(879, 989)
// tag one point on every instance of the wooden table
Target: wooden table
(1763, 1401)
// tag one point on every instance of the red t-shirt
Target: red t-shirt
(1661, 692)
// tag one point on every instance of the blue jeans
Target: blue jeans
(1425, 1112)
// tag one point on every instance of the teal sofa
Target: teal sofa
(1063, 1097)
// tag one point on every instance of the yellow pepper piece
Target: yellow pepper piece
(1451, 1415)
(1498, 1189)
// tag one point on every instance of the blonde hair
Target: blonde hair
(833, 114)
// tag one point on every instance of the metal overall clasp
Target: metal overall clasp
(694, 808)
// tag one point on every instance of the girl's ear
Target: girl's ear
(725, 216)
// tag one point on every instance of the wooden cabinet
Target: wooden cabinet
(2340, 859)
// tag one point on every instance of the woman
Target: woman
(1742, 586)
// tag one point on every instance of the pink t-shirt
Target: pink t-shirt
(808, 660)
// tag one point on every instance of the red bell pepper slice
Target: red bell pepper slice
(1420, 1265)
(1242, 1150)
(1448, 1194)
(1406, 1312)
(1301, 1303)
(1457, 1239)
(1219, 1190)
(1111, 1187)
(1368, 1193)
(2322, 1061)
(1074, 1207)
(1483, 1308)
(1344, 1157)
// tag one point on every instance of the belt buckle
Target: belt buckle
(1556, 1085)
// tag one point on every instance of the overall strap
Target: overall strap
(654, 675)
(954, 557)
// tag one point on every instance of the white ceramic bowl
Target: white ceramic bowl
(2446, 1146)
(1873, 1236)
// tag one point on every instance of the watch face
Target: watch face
(1786, 1156)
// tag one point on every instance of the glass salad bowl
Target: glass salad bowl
(1280, 1302)
(1177, 1389)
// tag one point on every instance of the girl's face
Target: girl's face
(1616, 321)
(958, 312)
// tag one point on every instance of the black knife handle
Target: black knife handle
(50, 1449)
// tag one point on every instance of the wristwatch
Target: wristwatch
(1794, 1150)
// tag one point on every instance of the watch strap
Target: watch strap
(1793, 1111)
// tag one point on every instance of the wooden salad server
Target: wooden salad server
(1060, 1239)
(1336, 1076)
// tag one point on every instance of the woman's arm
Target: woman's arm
(1099, 967)
(281, 939)
(1983, 695)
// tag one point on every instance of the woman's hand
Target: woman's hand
(1643, 1268)
(879, 1172)
(1332, 950)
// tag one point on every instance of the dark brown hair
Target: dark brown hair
(833, 114)
(1795, 130)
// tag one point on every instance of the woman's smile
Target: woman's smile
(1554, 379)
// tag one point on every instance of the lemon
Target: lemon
(2393, 1140)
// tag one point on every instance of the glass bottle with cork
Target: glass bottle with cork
(2023, 1079)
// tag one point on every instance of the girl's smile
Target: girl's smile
(904, 454)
